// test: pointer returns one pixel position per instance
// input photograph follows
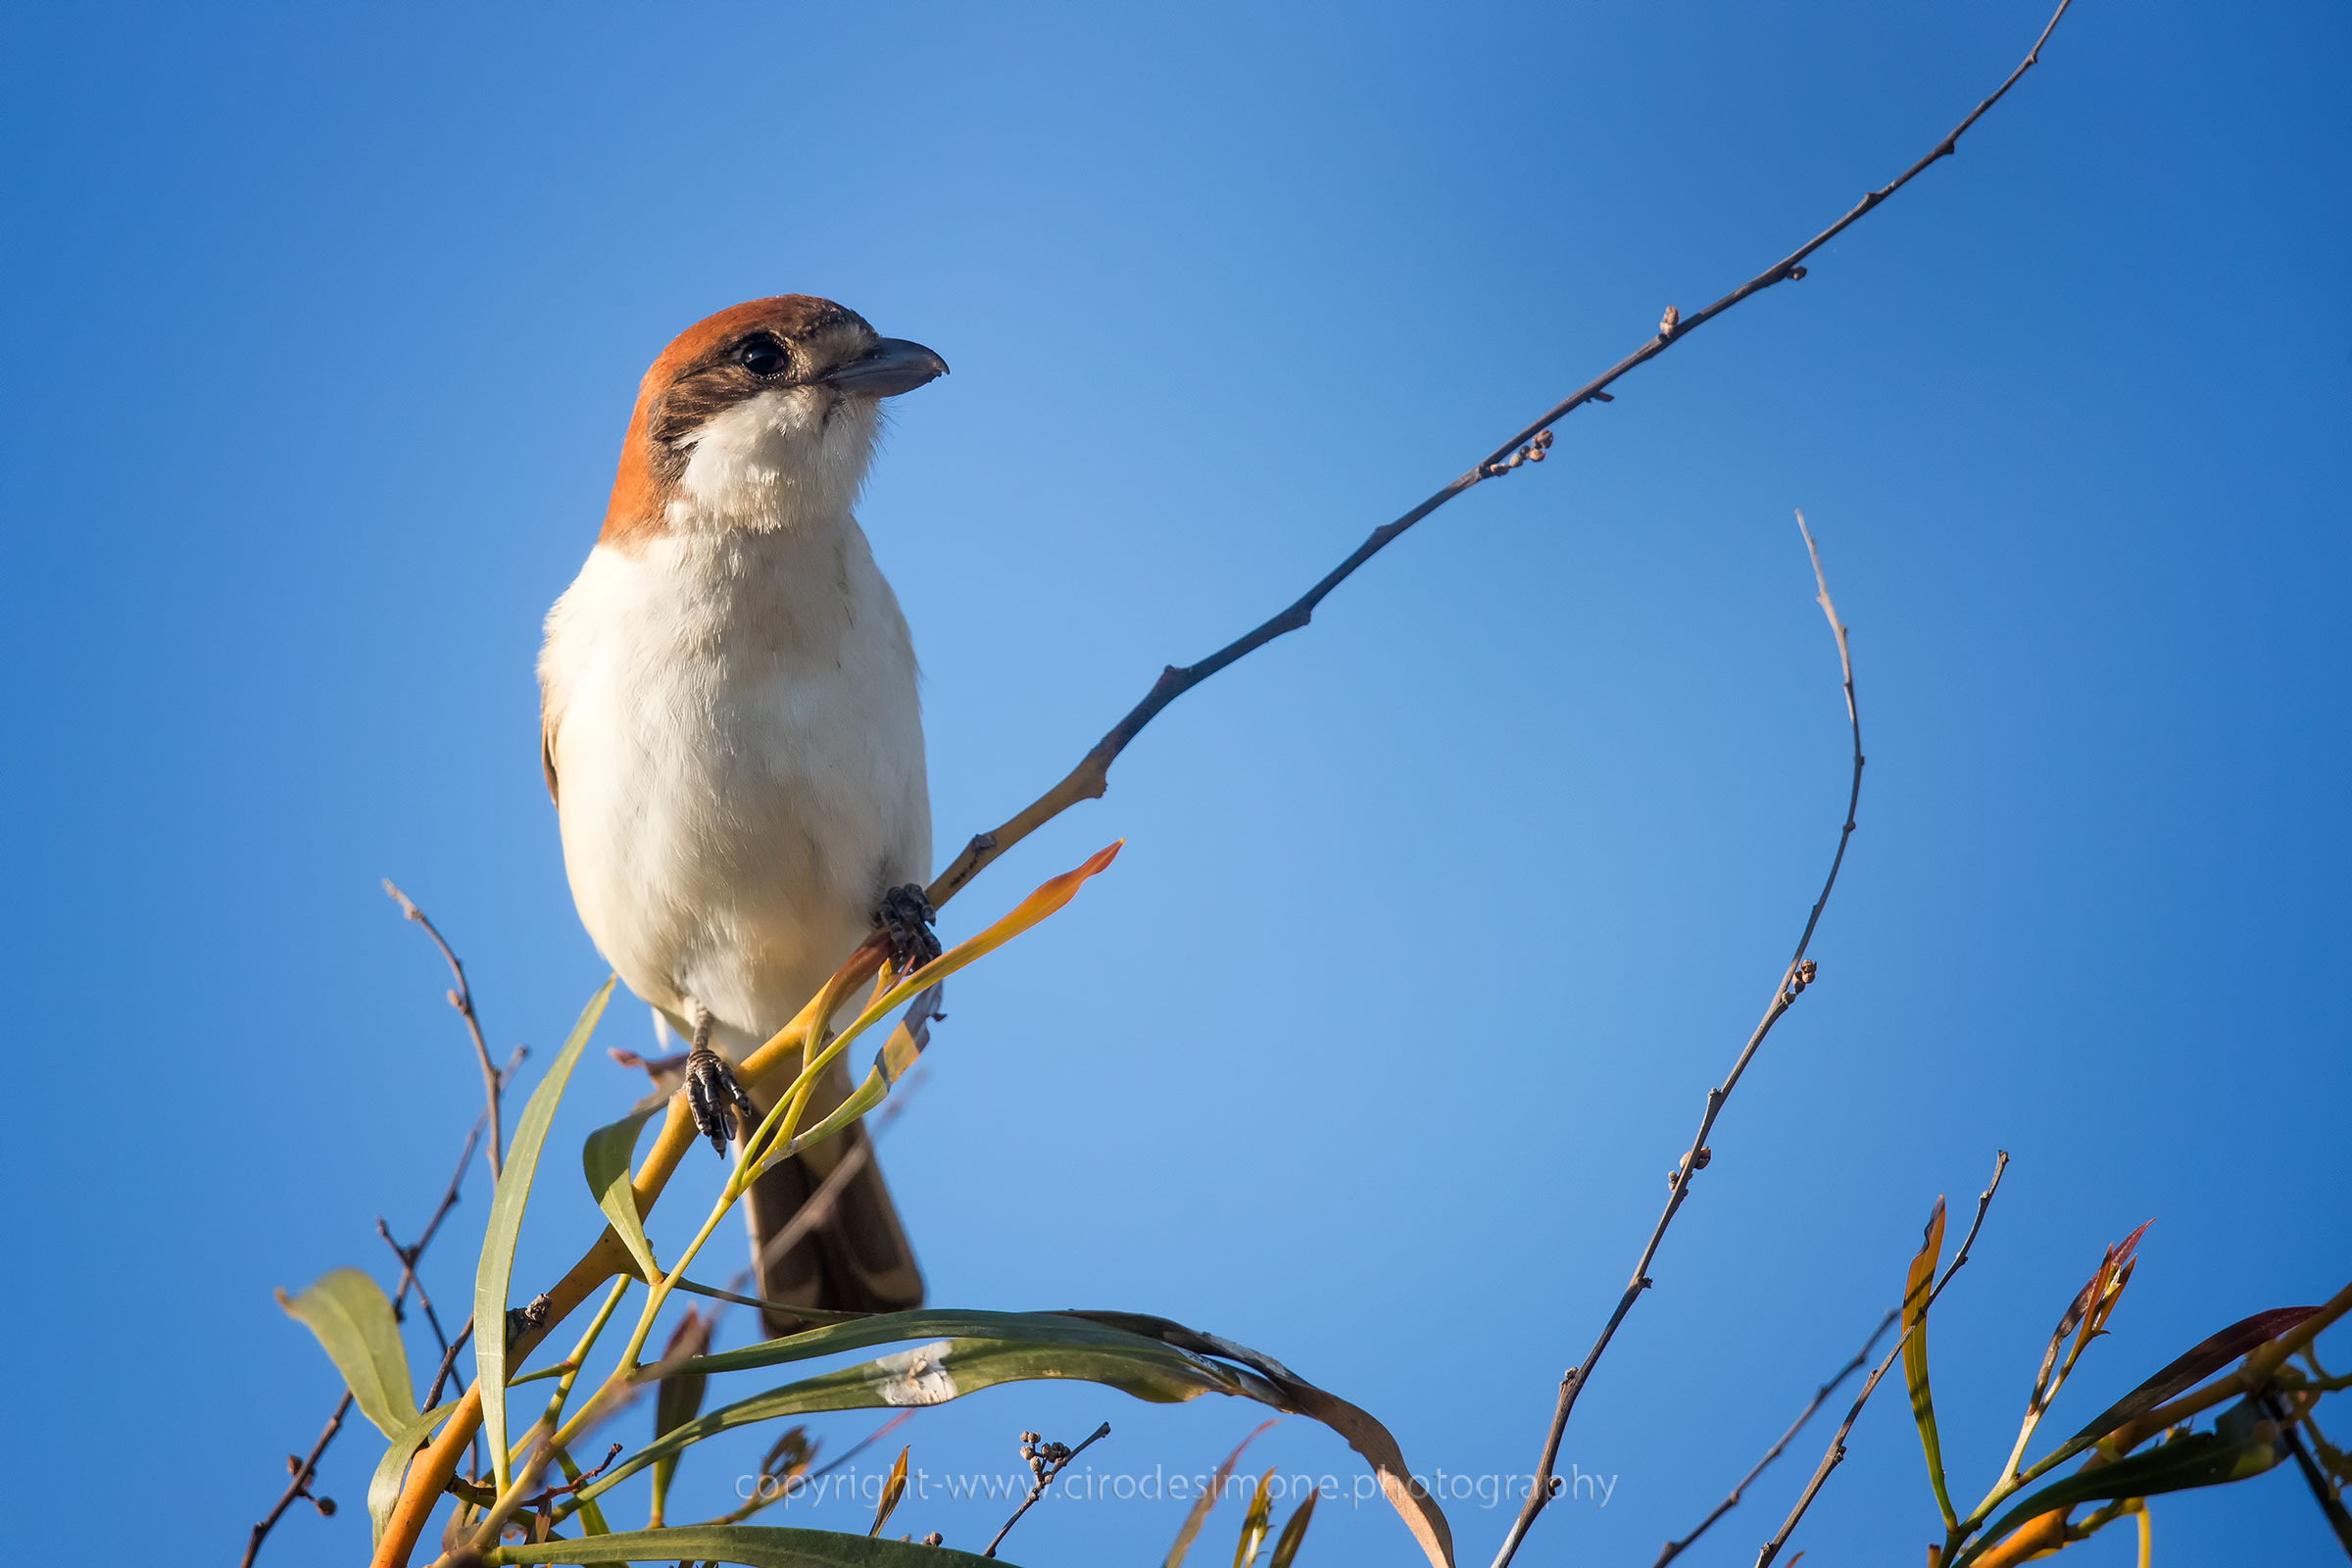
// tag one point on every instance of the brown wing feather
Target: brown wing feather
(547, 754)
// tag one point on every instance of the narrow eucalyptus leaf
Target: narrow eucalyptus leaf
(495, 1270)
(2193, 1366)
(605, 1159)
(383, 1488)
(1293, 1533)
(352, 1319)
(1919, 1284)
(948, 1369)
(2201, 1459)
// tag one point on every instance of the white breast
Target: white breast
(739, 754)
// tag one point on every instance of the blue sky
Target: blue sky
(1435, 920)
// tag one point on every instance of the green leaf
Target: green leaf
(352, 1319)
(605, 1159)
(1919, 1287)
(2244, 1448)
(497, 1268)
(1198, 1512)
(947, 1369)
(1293, 1533)
(1045, 1329)
(1257, 1377)
(384, 1488)
(757, 1545)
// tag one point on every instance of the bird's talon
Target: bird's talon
(905, 916)
(714, 1098)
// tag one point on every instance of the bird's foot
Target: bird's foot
(905, 916)
(716, 1098)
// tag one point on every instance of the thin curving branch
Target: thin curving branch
(1675, 1549)
(1092, 776)
(462, 998)
(1795, 978)
(1835, 1453)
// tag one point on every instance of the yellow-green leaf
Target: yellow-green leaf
(352, 1319)
(497, 1267)
(384, 1488)
(1918, 1287)
(604, 1160)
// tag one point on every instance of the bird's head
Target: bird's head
(759, 415)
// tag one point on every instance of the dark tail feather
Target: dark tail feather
(842, 1248)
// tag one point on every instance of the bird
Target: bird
(731, 732)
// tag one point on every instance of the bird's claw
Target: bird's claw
(716, 1098)
(905, 917)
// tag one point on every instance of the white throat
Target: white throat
(783, 459)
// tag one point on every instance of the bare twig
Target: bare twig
(1092, 776)
(1046, 1461)
(1795, 978)
(1675, 1549)
(462, 998)
(449, 1360)
(1835, 1453)
(300, 1485)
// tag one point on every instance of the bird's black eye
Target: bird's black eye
(762, 356)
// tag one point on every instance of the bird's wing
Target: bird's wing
(547, 749)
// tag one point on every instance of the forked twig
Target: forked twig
(462, 997)
(1835, 1453)
(1675, 1549)
(1092, 776)
(1795, 978)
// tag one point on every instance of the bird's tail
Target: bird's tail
(826, 1234)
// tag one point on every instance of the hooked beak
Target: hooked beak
(895, 366)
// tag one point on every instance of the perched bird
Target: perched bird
(733, 738)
